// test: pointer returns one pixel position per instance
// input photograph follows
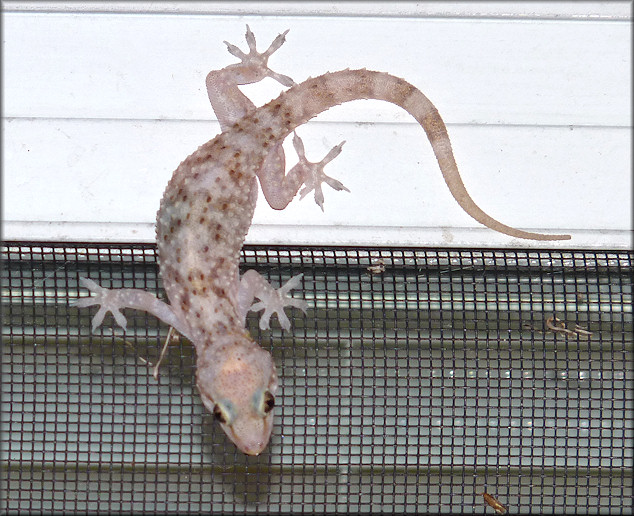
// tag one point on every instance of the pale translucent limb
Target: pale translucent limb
(273, 301)
(227, 101)
(279, 189)
(257, 62)
(313, 173)
(114, 300)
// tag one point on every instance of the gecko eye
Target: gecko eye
(219, 414)
(268, 402)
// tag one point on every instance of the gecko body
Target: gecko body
(207, 209)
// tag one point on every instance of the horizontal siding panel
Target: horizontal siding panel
(154, 66)
(114, 172)
(542, 10)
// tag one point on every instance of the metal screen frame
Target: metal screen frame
(418, 380)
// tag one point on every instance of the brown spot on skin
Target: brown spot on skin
(205, 249)
(235, 176)
(237, 154)
(202, 220)
(217, 237)
(201, 156)
(209, 196)
(434, 124)
(402, 92)
(327, 96)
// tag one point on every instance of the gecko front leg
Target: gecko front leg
(273, 301)
(114, 300)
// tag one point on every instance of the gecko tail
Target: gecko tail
(306, 100)
(421, 108)
(436, 132)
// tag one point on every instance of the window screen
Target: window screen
(418, 380)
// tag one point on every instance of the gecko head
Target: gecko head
(237, 381)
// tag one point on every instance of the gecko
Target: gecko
(206, 211)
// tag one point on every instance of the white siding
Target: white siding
(102, 100)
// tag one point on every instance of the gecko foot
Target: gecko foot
(254, 65)
(313, 173)
(108, 299)
(272, 300)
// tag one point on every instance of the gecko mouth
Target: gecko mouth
(254, 443)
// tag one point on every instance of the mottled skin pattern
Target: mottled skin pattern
(206, 212)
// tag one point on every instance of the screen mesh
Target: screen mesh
(418, 380)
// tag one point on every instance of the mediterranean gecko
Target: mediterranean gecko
(206, 212)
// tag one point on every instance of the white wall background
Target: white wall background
(102, 100)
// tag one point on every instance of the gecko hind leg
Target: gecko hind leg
(280, 189)
(254, 65)
(273, 301)
(313, 173)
